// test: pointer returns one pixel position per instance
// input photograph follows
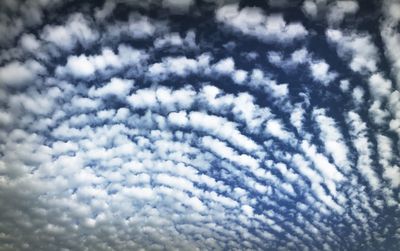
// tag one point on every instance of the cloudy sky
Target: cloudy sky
(199, 125)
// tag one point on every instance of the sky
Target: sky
(199, 125)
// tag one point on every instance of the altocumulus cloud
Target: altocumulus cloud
(199, 125)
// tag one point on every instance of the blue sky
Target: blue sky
(199, 125)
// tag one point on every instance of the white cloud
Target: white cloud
(196, 204)
(271, 87)
(239, 76)
(379, 86)
(276, 129)
(310, 8)
(178, 118)
(304, 168)
(143, 98)
(84, 103)
(180, 66)
(175, 182)
(5, 118)
(356, 48)
(77, 29)
(251, 21)
(385, 150)
(29, 42)
(174, 39)
(338, 10)
(83, 66)
(320, 72)
(80, 66)
(248, 210)
(297, 118)
(64, 147)
(141, 193)
(20, 74)
(116, 86)
(321, 163)
(162, 98)
(391, 41)
(221, 128)
(299, 56)
(358, 95)
(391, 37)
(225, 66)
(332, 139)
(344, 85)
(326, 198)
(392, 173)
(363, 147)
(334, 12)
(137, 27)
(224, 151)
(378, 115)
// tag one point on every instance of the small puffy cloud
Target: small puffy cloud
(320, 72)
(259, 81)
(252, 21)
(16, 73)
(5, 118)
(178, 118)
(289, 63)
(379, 87)
(358, 95)
(76, 30)
(137, 27)
(117, 87)
(225, 66)
(297, 118)
(239, 76)
(162, 98)
(29, 42)
(180, 66)
(248, 210)
(83, 66)
(83, 103)
(299, 56)
(143, 98)
(392, 173)
(174, 39)
(378, 114)
(334, 12)
(276, 129)
(80, 66)
(310, 8)
(338, 10)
